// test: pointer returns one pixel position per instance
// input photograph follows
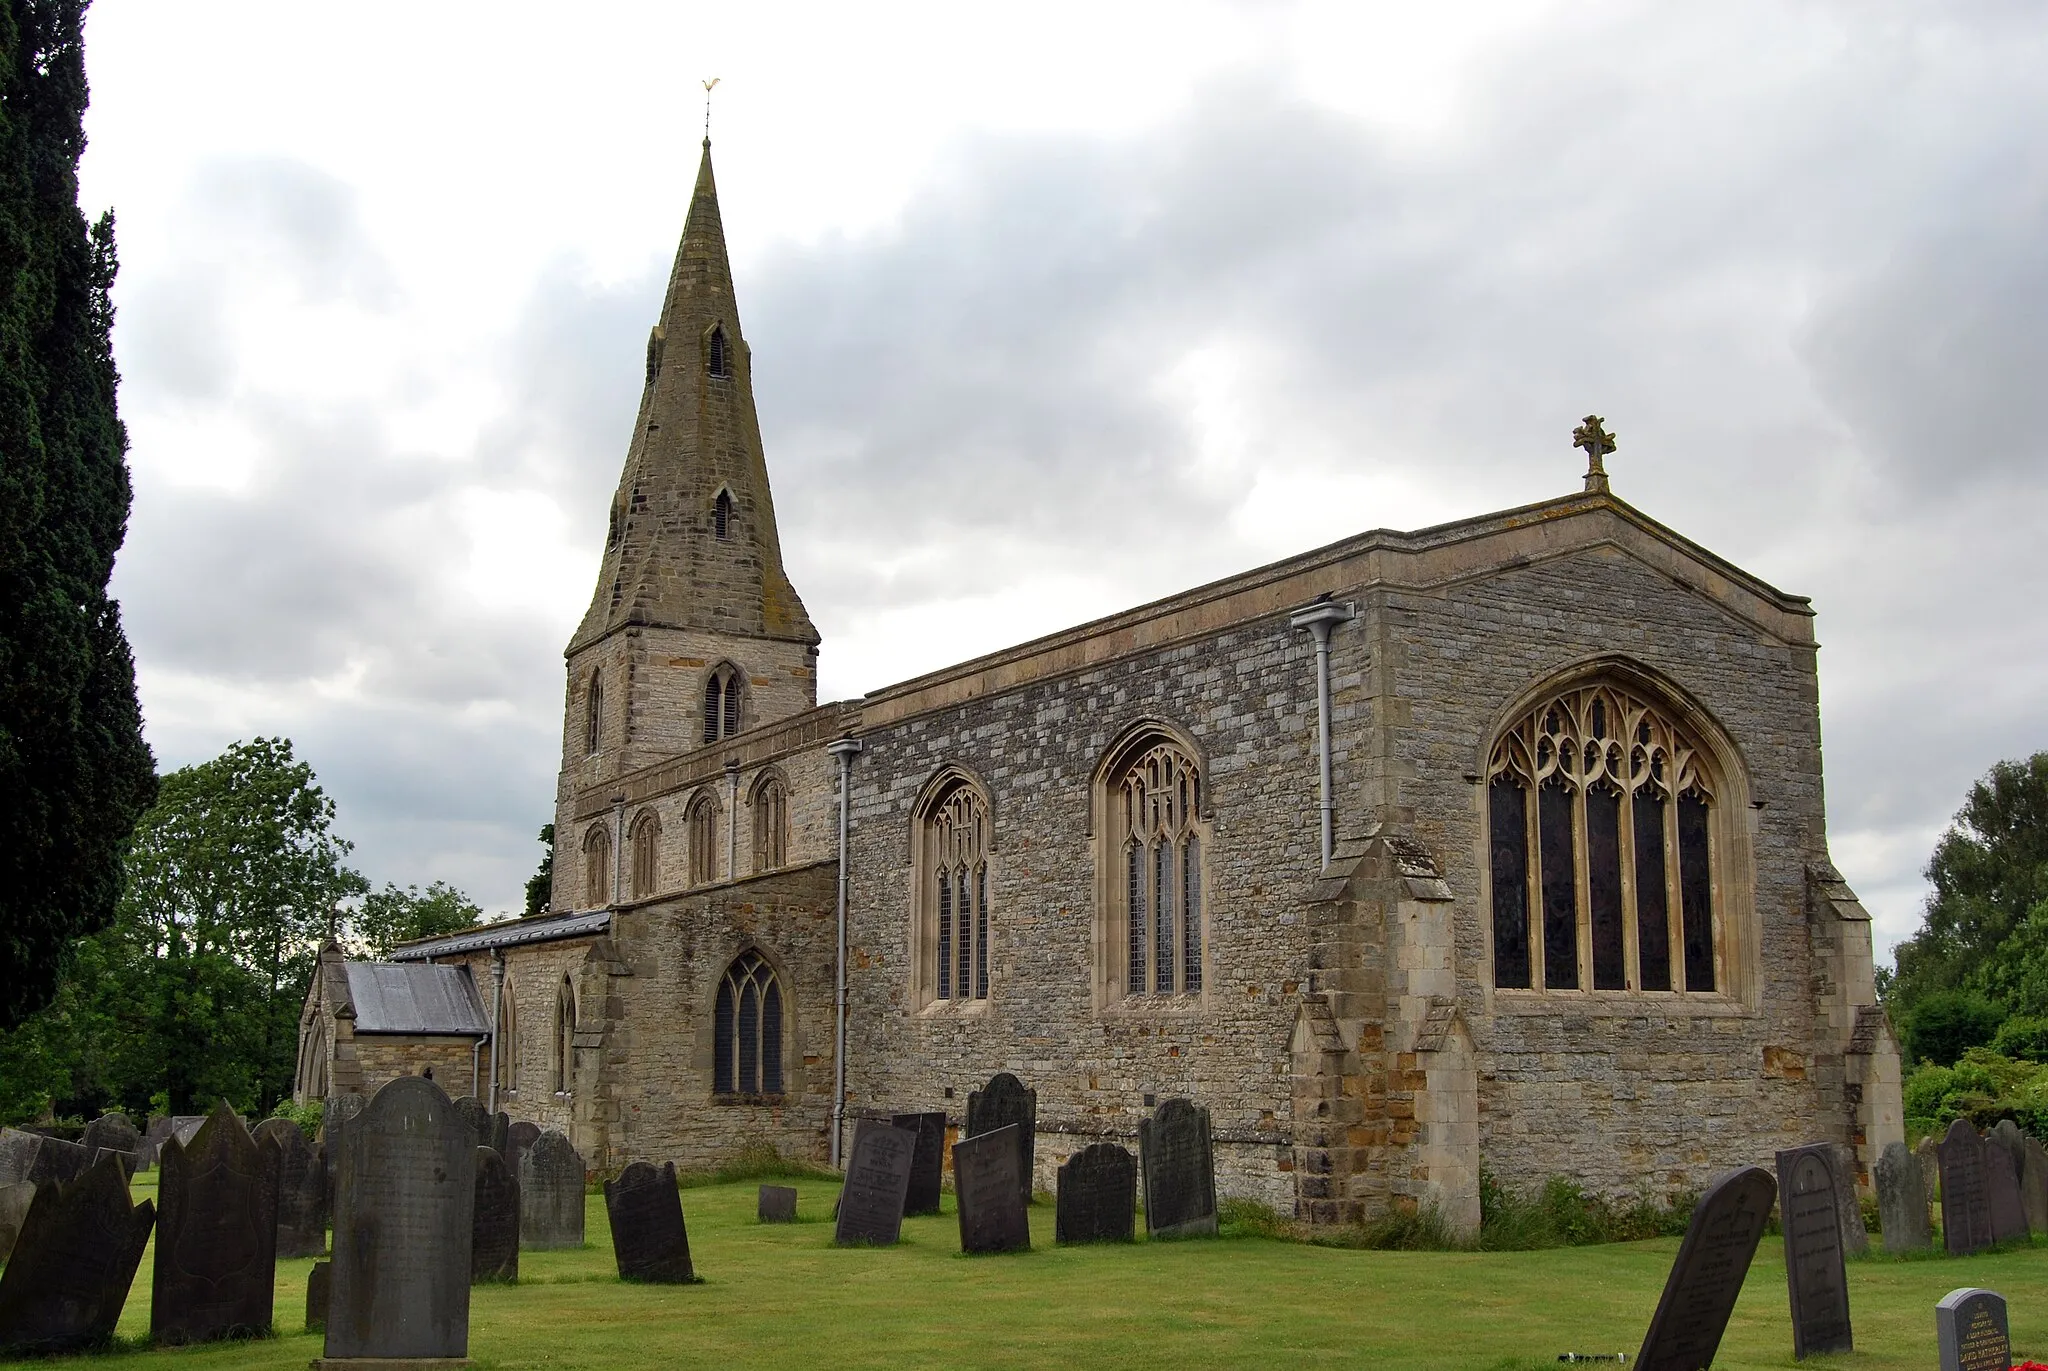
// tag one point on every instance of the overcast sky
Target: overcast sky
(1055, 309)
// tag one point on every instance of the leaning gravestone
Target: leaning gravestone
(2006, 1134)
(1000, 1103)
(927, 1164)
(993, 1216)
(1097, 1199)
(1180, 1170)
(1970, 1327)
(1965, 1193)
(63, 1288)
(1707, 1274)
(301, 1190)
(877, 1178)
(406, 1189)
(2002, 1191)
(35, 1158)
(1815, 1277)
(648, 1238)
(14, 1202)
(215, 1273)
(113, 1133)
(318, 1282)
(18, 1152)
(2034, 1186)
(1902, 1200)
(550, 1194)
(494, 1232)
(776, 1204)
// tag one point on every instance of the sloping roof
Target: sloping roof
(416, 998)
(510, 933)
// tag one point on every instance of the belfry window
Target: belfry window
(722, 701)
(952, 853)
(1603, 850)
(721, 515)
(747, 1030)
(593, 714)
(718, 358)
(1156, 885)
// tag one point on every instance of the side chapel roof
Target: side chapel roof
(415, 998)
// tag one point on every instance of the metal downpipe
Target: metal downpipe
(845, 750)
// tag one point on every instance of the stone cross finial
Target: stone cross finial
(1592, 435)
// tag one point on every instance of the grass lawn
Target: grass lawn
(784, 1296)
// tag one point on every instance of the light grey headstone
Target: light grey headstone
(1928, 1150)
(113, 1133)
(1970, 1331)
(550, 1194)
(1902, 1200)
(1815, 1277)
(26, 1156)
(2002, 1189)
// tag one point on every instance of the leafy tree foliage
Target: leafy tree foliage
(540, 886)
(392, 916)
(1941, 1027)
(73, 766)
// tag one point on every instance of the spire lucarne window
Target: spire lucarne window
(718, 360)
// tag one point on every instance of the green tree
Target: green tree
(392, 916)
(1943, 1025)
(540, 886)
(73, 766)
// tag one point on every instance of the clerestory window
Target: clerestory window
(771, 823)
(646, 854)
(747, 1030)
(703, 834)
(597, 867)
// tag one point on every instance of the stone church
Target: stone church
(1501, 843)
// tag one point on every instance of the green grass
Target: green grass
(777, 1296)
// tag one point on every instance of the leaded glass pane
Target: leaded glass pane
(724, 1032)
(1653, 911)
(771, 1039)
(1507, 817)
(1191, 914)
(945, 991)
(1603, 887)
(1695, 892)
(1162, 904)
(750, 1039)
(1134, 860)
(981, 932)
(1556, 849)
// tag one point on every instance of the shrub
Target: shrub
(2024, 1037)
(1942, 1026)
(307, 1116)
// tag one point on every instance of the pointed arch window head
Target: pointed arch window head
(1156, 884)
(771, 823)
(718, 353)
(1604, 849)
(722, 515)
(952, 845)
(508, 1037)
(724, 697)
(747, 1031)
(597, 867)
(562, 1061)
(646, 855)
(703, 834)
(593, 714)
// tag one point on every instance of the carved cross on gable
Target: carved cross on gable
(1592, 435)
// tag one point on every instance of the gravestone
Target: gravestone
(777, 1204)
(73, 1262)
(2034, 1186)
(1848, 1206)
(1000, 1103)
(185, 1127)
(318, 1281)
(1179, 1163)
(14, 1202)
(1707, 1274)
(1928, 1150)
(215, 1273)
(2006, 1134)
(494, 1231)
(550, 1194)
(1970, 1330)
(301, 1190)
(406, 1186)
(1815, 1277)
(1902, 1200)
(334, 1117)
(518, 1138)
(1098, 1196)
(113, 1133)
(500, 1140)
(993, 1213)
(927, 1164)
(648, 1237)
(36, 1159)
(2002, 1191)
(153, 1138)
(877, 1178)
(1965, 1197)
(477, 1117)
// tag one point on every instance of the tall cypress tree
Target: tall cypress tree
(74, 771)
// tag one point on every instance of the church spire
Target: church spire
(691, 541)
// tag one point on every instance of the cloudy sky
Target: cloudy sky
(1057, 308)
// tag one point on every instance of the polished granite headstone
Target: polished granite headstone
(494, 1231)
(927, 1164)
(550, 1194)
(993, 1213)
(1965, 1191)
(877, 1178)
(301, 1190)
(406, 1186)
(649, 1241)
(1902, 1200)
(215, 1272)
(776, 1204)
(1707, 1274)
(1970, 1331)
(1179, 1162)
(1000, 1103)
(1098, 1195)
(64, 1285)
(1815, 1277)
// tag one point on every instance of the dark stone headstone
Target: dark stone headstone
(518, 1138)
(494, 1232)
(501, 1133)
(550, 1194)
(1902, 1200)
(2006, 1134)
(777, 1204)
(215, 1273)
(1000, 1103)
(153, 1138)
(1180, 1170)
(406, 1189)
(2002, 1190)
(1970, 1329)
(1848, 1204)
(185, 1127)
(2034, 1186)
(301, 1190)
(334, 1117)
(1965, 1191)
(477, 1117)
(993, 1213)
(35, 1158)
(113, 1133)
(318, 1282)
(14, 1202)
(648, 1237)
(1815, 1277)
(1928, 1150)
(1707, 1274)
(1098, 1195)
(927, 1164)
(18, 1155)
(75, 1258)
(877, 1178)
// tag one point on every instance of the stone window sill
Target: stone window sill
(972, 1009)
(1157, 1006)
(1618, 1004)
(774, 1101)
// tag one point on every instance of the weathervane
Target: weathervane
(707, 109)
(1592, 435)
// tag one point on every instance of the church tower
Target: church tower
(694, 632)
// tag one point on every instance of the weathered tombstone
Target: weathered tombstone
(14, 1202)
(1902, 1200)
(1707, 1274)
(35, 1158)
(113, 1133)
(501, 1133)
(1815, 1277)
(1848, 1206)
(1965, 1197)
(927, 1164)
(334, 1117)
(318, 1282)
(1928, 1150)
(185, 1127)
(477, 1117)
(63, 1288)
(18, 1152)
(518, 1138)
(1000, 1103)
(494, 1232)
(993, 1214)
(2006, 1134)
(301, 1190)
(215, 1273)
(550, 1194)
(777, 1204)
(648, 1237)
(1180, 1170)
(406, 1187)
(2034, 1186)
(153, 1138)
(877, 1178)
(1970, 1327)
(1098, 1195)
(2002, 1191)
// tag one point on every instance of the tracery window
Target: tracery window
(1603, 851)
(722, 691)
(597, 867)
(721, 514)
(1157, 882)
(747, 1030)
(952, 847)
(564, 1054)
(646, 854)
(508, 1037)
(593, 714)
(703, 833)
(771, 823)
(718, 355)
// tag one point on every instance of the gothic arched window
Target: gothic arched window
(747, 1030)
(721, 514)
(951, 847)
(646, 855)
(1156, 882)
(597, 867)
(564, 1047)
(722, 701)
(593, 714)
(703, 834)
(771, 823)
(1601, 839)
(508, 1037)
(718, 354)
